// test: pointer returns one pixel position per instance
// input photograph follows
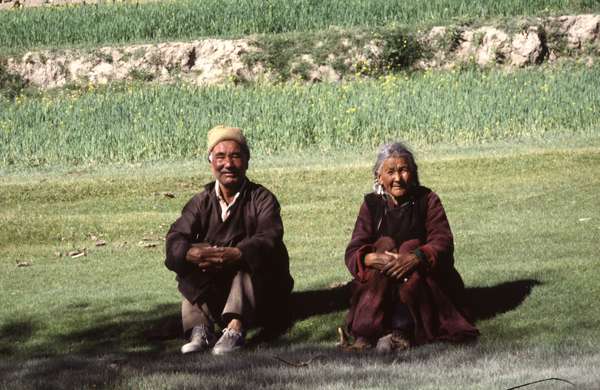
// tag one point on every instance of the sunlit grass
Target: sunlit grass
(509, 214)
(517, 216)
(521, 216)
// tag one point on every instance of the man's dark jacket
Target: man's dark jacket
(254, 226)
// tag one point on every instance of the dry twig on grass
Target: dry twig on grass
(298, 364)
(542, 380)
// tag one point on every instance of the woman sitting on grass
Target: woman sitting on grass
(406, 289)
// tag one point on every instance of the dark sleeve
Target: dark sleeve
(439, 245)
(360, 244)
(180, 236)
(267, 239)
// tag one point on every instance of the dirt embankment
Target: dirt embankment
(213, 61)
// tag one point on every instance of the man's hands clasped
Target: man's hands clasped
(213, 257)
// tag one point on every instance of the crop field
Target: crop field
(133, 123)
(91, 177)
(120, 23)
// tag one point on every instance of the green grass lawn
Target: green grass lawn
(526, 224)
(121, 23)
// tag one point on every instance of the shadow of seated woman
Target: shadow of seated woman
(481, 302)
(487, 302)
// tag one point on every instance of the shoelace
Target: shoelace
(200, 332)
(231, 332)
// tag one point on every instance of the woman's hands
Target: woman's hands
(377, 260)
(393, 265)
(212, 257)
(400, 265)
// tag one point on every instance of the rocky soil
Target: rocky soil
(213, 61)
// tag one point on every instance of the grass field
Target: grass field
(526, 227)
(120, 23)
(514, 156)
(140, 122)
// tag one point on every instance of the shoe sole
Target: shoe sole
(220, 353)
(185, 352)
(199, 348)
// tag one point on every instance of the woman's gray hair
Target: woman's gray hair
(394, 149)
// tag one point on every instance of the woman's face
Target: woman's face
(395, 176)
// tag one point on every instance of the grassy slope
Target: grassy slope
(516, 218)
(128, 123)
(184, 19)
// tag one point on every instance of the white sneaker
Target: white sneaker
(384, 344)
(202, 339)
(398, 340)
(231, 340)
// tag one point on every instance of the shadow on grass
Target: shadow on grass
(264, 368)
(14, 332)
(145, 339)
(482, 302)
(132, 328)
(303, 305)
(487, 302)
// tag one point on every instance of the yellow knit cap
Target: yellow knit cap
(222, 133)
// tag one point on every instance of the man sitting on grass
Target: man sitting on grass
(228, 252)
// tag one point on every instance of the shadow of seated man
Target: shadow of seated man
(228, 252)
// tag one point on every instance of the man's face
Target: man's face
(395, 176)
(229, 164)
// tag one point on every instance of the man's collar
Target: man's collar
(237, 194)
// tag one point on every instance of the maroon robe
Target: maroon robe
(433, 294)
